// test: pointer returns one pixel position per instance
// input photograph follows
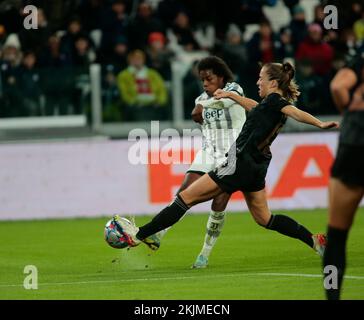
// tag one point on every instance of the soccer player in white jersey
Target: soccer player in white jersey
(220, 128)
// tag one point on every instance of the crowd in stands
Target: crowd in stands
(45, 71)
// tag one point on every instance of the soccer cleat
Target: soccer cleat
(153, 241)
(128, 229)
(319, 243)
(201, 262)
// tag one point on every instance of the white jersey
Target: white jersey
(222, 121)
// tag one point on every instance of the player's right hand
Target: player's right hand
(197, 114)
(330, 125)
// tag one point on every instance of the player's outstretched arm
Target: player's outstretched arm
(246, 103)
(305, 117)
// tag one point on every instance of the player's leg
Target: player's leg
(201, 190)
(201, 164)
(215, 224)
(258, 206)
(189, 178)
(343, 203)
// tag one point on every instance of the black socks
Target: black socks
(164, 219)
(335, 255)
(290, 228)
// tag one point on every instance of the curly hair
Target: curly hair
(217, 66)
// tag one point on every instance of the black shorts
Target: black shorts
(348, 166)
(249, 174)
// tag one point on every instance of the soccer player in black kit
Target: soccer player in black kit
(346, 187)
(250, 157)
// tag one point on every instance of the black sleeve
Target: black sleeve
(277, 102)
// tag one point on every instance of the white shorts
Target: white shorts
(205, 162)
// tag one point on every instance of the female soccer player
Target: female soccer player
(220, 129)
(346, 187)
(250, 156)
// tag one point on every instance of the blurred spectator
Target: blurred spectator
(192, 88)
(52, 56)
(29, 84)
(319, 16)
(11, 51)
(158, 56)
(144, 24)
(11, 103)
(298, 26)
(263, 45)
(234, 52)
(204, 34)
(57, 75)
(341, 42)
(316, 51)
(181, 36)
(111, 103)
(114, 24)
(84, 55)
(142, 90)
(113, 62)
(311, 87)
(35, 39)
(116, 59)
(68, 40)
(359, 28)
(285, 49)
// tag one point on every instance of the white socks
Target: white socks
(215, 224)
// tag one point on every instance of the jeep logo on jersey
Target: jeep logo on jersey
(213, 114)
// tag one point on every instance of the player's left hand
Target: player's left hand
(197, 114)
(330, 125)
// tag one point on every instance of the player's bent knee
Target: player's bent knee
(184, 186)
(187, 198)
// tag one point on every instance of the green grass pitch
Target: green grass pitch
(248, 262)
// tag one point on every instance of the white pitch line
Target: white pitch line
(264, 274)
(304, 275)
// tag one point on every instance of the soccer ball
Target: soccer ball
(113, 237)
